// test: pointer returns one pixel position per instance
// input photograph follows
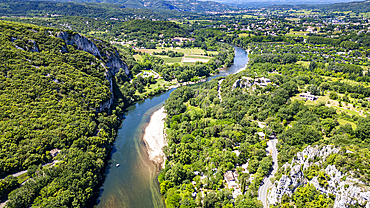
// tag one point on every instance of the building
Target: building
(230, 180)
(54, 152)
(308, 96)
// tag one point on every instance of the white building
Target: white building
(308, 96)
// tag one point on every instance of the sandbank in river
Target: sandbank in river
(154, 137)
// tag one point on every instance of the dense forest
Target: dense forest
(178, 5)
(210, 136)
(103, 11)
(64, 89)
(51, 99)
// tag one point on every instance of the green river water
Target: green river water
(134, 183)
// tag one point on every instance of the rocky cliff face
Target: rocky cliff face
(348, 190)
(81, 42)
(115, 63)
(112, 66)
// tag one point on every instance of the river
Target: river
(134, 183)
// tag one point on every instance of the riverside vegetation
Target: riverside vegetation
(207, 138)
(67, 93)
(53, 99)
(60, 94)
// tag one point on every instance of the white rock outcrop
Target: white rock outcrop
(348, 191)
(81, 42)
(112, 66)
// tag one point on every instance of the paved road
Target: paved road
(262, 191)
(25, 171)
(3, 203)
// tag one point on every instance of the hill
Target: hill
(55, 90)
(177, 5)
(92, 10)
(358, 7)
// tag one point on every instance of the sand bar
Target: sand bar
(154, 137)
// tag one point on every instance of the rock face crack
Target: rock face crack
(112, 66)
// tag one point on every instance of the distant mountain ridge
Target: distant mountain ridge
(357, 6)
(92, 10)
(178, 5)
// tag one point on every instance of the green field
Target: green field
(186, 51)
(199, 57)
(170, 60)
(293, 19)
(212, 52)
(247, 16)
(245, 35)
(296, 34)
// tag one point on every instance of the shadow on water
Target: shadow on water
(134, 183)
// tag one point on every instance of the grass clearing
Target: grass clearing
(186, 51)
(22, 178)
(344, 122)
(304, 63)
(212, 52)
(170, 60)
(137, 57)
(248, 16)
(246, 35)
(199, 57)
(152, 87)
(293, 19)
(348, 81)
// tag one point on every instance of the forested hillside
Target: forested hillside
(143, 29)
(357, 6)
(178, 5)
(55, 90)
(104, 11)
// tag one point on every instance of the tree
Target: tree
(312, 66)
(211, 200)
(252, 166)
(173, 198)
(328, 125)
(333, 96)
(363, 129)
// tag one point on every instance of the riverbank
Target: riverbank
(135, 182)
(154, 137)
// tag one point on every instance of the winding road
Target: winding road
(262, 191)
(3, 203)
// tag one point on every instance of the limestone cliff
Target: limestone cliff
(347, 189)
(81, 42)
(112, 60)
